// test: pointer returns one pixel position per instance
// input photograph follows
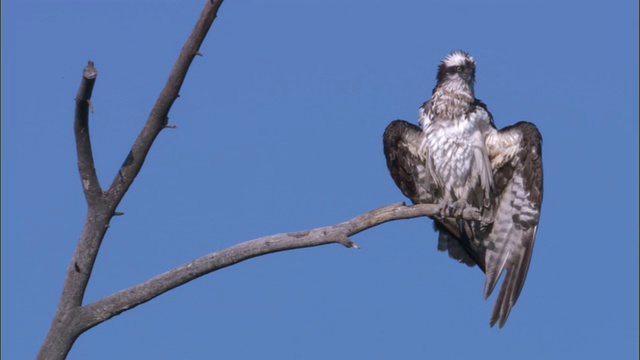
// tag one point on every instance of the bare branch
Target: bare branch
(86, 167)
(158, 117)
(126, 299)
(71, 318)
(68, 321)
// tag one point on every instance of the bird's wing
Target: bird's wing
(406, 164)
(516, 156)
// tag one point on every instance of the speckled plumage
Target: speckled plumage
(459, 157)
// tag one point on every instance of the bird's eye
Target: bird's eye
(458, 68)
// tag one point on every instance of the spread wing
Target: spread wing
(407, 166)
(516, 156)
(402, 142)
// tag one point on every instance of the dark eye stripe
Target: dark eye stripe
(467, 66)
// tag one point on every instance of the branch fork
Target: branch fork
(72, 317)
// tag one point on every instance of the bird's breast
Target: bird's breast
(456, 151)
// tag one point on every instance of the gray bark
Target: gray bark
(72, 318)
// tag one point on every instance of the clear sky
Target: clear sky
(279, 129)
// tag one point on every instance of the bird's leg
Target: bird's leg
(458, 210)
(451, 209)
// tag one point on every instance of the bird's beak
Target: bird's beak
(467, 76)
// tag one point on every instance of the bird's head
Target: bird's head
(457, 71)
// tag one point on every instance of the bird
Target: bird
(458, 159)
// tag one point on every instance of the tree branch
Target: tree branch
(71, 318)
(126, 299)
(158, 117)
(68, 322)
(86, 168)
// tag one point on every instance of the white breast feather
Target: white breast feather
(457, 154)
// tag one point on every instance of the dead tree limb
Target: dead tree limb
(69, 320)
(72, 318)
(86, 167)
(126, 299)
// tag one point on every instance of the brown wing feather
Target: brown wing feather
(401, 142)
(518, 189)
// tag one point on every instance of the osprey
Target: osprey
(458, 159)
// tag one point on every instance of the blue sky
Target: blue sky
(279, 129)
